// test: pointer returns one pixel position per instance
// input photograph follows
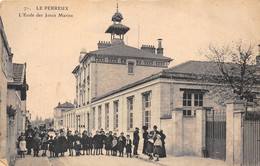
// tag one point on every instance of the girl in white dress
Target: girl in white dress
(22, 146)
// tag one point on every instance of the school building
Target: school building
(119, 87)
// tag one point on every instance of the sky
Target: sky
(51, 46)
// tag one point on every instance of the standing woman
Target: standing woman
(63, 143)
(145, 137)
(56, 144)
(163, 144)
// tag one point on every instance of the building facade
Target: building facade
(5, 75)
(13, 89)
(59, 114)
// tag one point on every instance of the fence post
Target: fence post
(177, 115)
(234, 137)
(200, 131)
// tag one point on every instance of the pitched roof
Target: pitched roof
(18, 74)
(128, 51)
(195, 67)
(65, 105)
(118, 29)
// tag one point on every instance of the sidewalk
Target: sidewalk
(184, 160)
(32, 161)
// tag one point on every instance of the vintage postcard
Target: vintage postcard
(129, 82)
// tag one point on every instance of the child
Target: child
(44, 145)
(121, 144)
(70, 140)
(96, 141)
(37, 141)
(50, 142)
(107, 144)
(84, 142)
(56, 144)
(102, 140)
(128, 146)
(22, 146)
(63, 143)
(77, 144)
(114, 146)
(157, 147)
(149, 149)
(110, 141)
(90, 144)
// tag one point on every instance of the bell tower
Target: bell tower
(117, 30)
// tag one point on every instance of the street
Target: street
(82, 161)
(98, 161)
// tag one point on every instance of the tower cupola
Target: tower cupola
(117, 30)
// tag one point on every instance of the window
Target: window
(147, 109)
(147, 101)
(94, 117)
(198, 100)
(107, 116)
(130, 116)
(116, 115)
(190, 102)
(130, 68)
(186, 99)
(99, 116)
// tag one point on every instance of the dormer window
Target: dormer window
(130, 67)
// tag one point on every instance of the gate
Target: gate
(216, 134)
(251, 141)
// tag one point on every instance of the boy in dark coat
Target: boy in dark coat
(70, 141)
(128, 146)
(97, 141)
(90, 144)
(63, 143)
(108, 145)
(84, 142)
(50, 142)
(56, 145)
(102, 140)
(121, 144)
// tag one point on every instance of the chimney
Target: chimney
(159, 49)
(103, 44)
(149, 48)
(59, 103)
(258, 56)
(82, 54)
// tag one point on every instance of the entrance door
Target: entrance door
(216, 134)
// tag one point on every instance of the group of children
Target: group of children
(94, 145)
(86, 144)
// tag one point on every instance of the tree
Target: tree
(235, 71)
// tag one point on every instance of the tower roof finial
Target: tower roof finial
(117, 6)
